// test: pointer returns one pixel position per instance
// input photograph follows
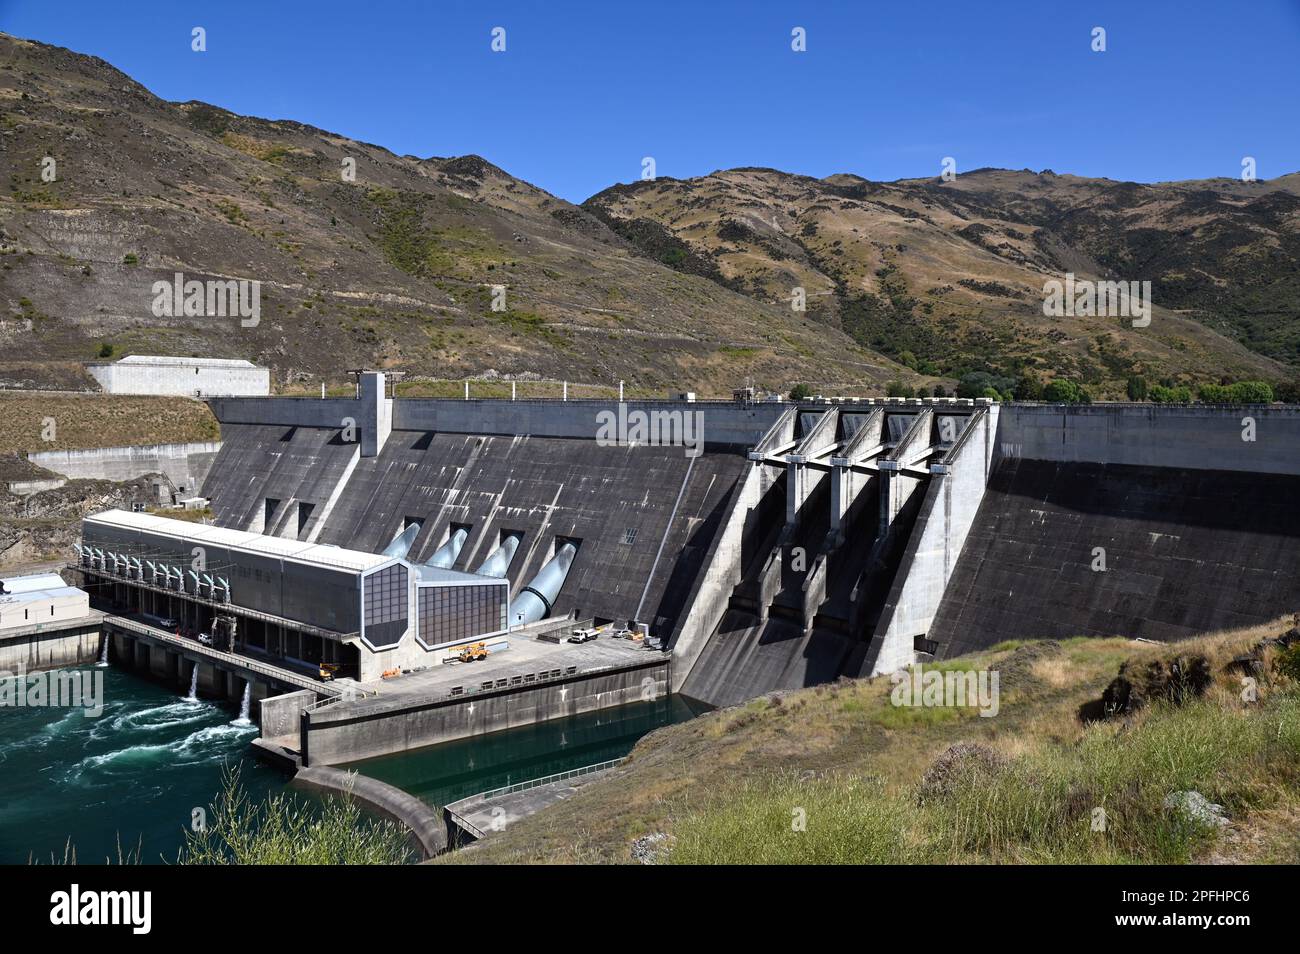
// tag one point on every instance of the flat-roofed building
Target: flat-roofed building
(41, 598)
(296, 602)
(183, 377)
(45, 623)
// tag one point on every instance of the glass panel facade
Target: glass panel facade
(386, 606)
(450, 613)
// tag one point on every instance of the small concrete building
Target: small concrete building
(42, 598)
(187, 377)
(45, 623)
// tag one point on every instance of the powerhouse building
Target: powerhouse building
(291, 601)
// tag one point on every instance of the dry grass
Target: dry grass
(99, 420)
(719, 782)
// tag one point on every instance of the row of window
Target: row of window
(450, 613)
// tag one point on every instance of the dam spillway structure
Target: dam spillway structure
(799, 542)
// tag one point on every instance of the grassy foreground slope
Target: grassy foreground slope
(873, 783)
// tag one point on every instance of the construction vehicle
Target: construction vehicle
(327, 671)
(470, 652)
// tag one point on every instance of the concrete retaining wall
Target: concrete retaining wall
(425, 825)
(348, 732)
(281, 715)
(69, 646)
(185, 465)
(24, 487)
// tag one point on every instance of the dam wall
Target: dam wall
(1065, 548)
(723, 422)
(801, 542)
(1148, 521)
(1194, 436)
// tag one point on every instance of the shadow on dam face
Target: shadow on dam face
(1084, 549)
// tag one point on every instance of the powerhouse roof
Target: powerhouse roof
(313, 554)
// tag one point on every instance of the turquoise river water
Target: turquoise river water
(134, 774)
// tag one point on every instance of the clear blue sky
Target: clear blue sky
(585, 90)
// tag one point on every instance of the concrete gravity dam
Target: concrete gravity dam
(431, 557)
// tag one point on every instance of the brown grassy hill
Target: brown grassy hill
(394, 269)
(949, 276)
(879, 783)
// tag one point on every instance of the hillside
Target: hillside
(878, 783)
(392, 270)
(665, 284)
(949, 276)
(41, 527)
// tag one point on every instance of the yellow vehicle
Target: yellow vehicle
(471, 651)
(327, 671)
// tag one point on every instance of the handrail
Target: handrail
(280, 675)
(465, 823)
(346, 694)
(548, 779)
(466, 692)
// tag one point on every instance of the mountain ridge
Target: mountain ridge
(666, 283)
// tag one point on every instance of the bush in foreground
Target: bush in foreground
(284, 831)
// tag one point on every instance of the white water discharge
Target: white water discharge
(194, 685)
(103, 652)
(244, 705)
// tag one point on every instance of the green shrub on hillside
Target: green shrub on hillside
(974, 385)
(800, 392)
(1161, 394)
(1063, 391)
(1243, 392)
